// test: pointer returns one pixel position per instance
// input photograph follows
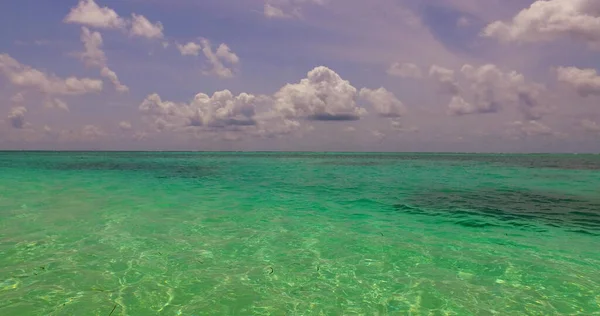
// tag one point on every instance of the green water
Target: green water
(299, 234)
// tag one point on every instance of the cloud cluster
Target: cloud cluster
(222, 62)
(222, 110)
(24, 76)
(94, 56)
(89, 13)
(322, 96)
(586, 82)
(547, 20)
(487, 89)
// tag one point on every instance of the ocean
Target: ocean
(182, 233)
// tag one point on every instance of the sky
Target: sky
(300, 75)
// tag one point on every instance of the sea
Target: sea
(285, 233)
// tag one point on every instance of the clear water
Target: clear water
(298, 234)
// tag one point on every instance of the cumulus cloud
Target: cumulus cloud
(94, 56)
(585, 82)
(141, 26)
(88, 12)
(219, 59)
(487, 89)
(222, 110)
(405, 70)
(16, 117)
(547, 20)
(444, 78)
(189, 49)
(384, 102)
(54, 103)
(323, 95)
(27, 77)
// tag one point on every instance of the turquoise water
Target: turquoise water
(298, 234)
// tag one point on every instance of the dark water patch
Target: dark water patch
(585, 214)
(584, 232)
(548, 161)
(172, 168)
(521, 209)
(473, 223)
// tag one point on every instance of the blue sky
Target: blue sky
(381, 75)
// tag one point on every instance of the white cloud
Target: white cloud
(94, 56)
(590, 125)
(398, 126)
(323, 95)
(350, 129)
(125, 126)
(225, 53)
(405, 70)
(54, 103)
(273, 12)
(88, 12)
(16, 117)
(458, 106)
(444, 77)
(384, 102)
(285, 9)
(189, 49)
(221, 111)
(487, 89)
(26, 77)
(547, 20)
(217, 60)
(585, 81)
(112, 77)
(140, 26)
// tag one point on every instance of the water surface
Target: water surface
(298, 234)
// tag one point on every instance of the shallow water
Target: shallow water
(298, 234)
